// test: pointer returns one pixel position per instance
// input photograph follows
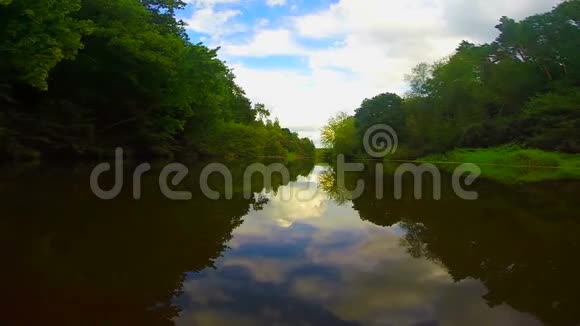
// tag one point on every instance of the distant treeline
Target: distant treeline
(80, 77)
(522, 89)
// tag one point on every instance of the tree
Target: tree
(418, 80)
(552, 121)
(35, 35)
(340, 134)
(522, 88)
(261, 112)
(80, 77)
(386, 109)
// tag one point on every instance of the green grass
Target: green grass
(513, 164)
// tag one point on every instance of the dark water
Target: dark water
(294, 254)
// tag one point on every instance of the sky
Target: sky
(307, 60)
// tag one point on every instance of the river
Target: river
(294, 253)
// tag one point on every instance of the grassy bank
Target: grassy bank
(512, 164)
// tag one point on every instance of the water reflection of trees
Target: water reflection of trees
(327, 182)
(520, 241)
(216, 181)
(75, 260)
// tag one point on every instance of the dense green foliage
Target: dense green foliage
(340, 134)
(512, 164)
(524, 88)
(79, 77)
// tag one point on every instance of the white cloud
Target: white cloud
(210, 3)
(262, 23)
(215, 23)
(205, 19)
(266, 43)
(304, 100)
(374, 44)
(476, 18)
(273, 3)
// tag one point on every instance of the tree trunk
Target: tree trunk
(548, 73)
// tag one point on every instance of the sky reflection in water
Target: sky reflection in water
(317, 262)
(508, 258)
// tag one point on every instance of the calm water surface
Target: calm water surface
(509, 258)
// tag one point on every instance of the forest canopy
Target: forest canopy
(80, 77)
(522, 89)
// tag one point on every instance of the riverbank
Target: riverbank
(512, 164)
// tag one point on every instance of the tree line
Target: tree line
(523, 89)
(80, 77)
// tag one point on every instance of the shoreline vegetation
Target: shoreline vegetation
(512, 164)
(509, 164)
(511, 106)
(79, 78)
